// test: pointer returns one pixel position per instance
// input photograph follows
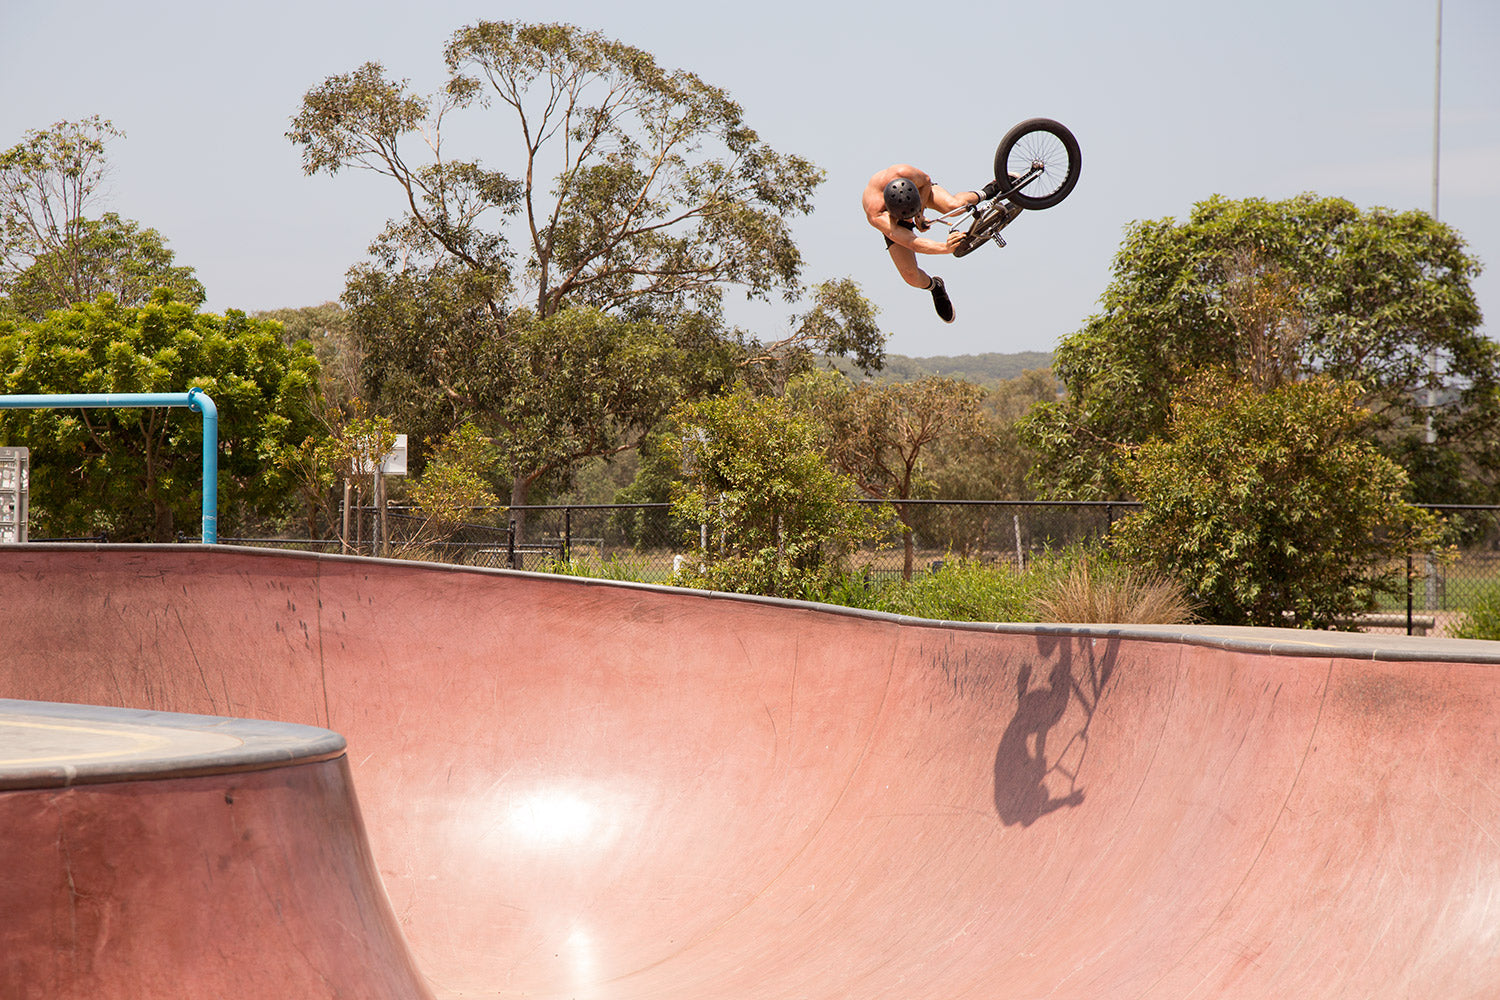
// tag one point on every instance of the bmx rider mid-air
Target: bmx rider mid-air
(895, 202)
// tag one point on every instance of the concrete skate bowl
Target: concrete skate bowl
(578, 790)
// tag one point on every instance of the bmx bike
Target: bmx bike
(1037, 163)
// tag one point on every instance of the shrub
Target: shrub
(1272, 507)
(1482, 621)
(965, 590)
(779, 521)
(453, 484)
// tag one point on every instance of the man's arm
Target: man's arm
(903, 237)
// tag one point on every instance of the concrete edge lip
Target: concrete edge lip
(54, 745)
(1275, 641)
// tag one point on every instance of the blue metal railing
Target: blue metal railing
(194, 399)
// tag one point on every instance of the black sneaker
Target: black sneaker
(940, 300)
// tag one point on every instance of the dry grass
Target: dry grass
(1114, 594)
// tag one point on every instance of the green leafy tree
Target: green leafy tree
(551, 393)
(841, 322)
(588, 384)
(322, 466)
(428, 353)
(1271, 507)
(328, 329)
(312, 475)
(999, 470)
(455, 482)
(109, 255)
(658, 467)
(136, 473)
(51, 253)
(46, 182)
(780, 520)
(355, 450)
(660, 198)
(334, 473)
(883, 434)
(992, 465)
(1283, 289)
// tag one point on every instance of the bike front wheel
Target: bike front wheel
(1047, 148)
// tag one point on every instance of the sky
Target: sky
(1172, 101)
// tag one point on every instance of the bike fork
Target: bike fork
(1019, 182)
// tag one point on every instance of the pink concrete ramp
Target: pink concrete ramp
(579, 790)
(164, 855)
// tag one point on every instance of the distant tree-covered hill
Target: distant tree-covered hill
(983, 369)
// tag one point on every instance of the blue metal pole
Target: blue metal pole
(199, 400)
(195, 399)
(94, 400)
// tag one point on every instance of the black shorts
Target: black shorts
(904, 224)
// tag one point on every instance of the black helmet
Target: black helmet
(902, 199)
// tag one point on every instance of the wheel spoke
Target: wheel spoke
(1045, 149)
(1041, 147)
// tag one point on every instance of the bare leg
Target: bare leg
(906, 262)
(942, 202)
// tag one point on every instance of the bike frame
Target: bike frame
(1021, 181)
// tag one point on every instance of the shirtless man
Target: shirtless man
(895, 202)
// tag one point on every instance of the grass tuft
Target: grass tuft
(1088, 592)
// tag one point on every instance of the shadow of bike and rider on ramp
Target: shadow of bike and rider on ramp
(1042, 751)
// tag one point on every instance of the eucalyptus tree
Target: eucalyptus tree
(610, 184)
(52, 252)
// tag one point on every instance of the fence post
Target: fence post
(567, 549)
(1408, 593)
(382, 545)
(344, 545)
(510, 545)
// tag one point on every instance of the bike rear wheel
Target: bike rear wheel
(1046, 146)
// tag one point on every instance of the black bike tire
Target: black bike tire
(1072, 158)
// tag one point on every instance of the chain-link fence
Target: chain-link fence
(645, 541)
(1012, 532)
(1443, 586)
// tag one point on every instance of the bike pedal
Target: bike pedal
(999, 240)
